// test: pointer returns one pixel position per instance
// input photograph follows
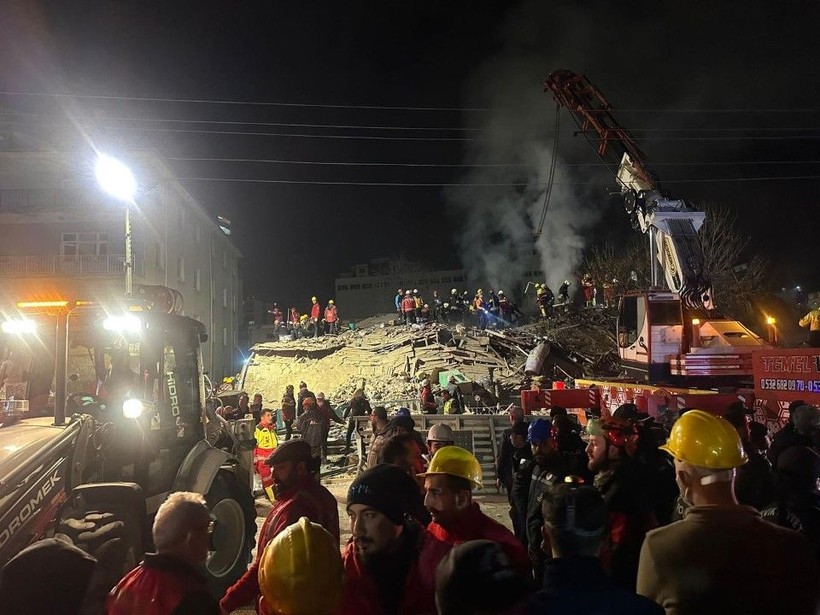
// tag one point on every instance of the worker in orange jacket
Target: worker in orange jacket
(315, 315)
(332, 317)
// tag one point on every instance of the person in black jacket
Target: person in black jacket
(358, 406)
(575, 519)
(511, 461)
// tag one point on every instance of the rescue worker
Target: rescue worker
(492, 309)
(588, 288)
(439, 436)
(722, 557)
(288, 411)
(479, 309)
(504, 310)
(513, 458)
(328, 415)
(609, 292)
(546, 299)
(298, 494)
(575, 518)
(304, 326)
(170, 580)
(448, 484)
(408, 308)
(358, 406)
(437, 307)
(309, 424)
(266, 443)
(451, 405)
(331, 318)
(256, 407)
(418, 304)
(397, 303)
(563, 293)
(811, 321)
(294, 322)
(427, 400)
(390, 562)
(612, 445)
(304, 393)
(546, 469)
(315, 315)
(301, 571)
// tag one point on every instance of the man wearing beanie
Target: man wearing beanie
(390, 561)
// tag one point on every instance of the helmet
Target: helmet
(618, 432)
(427, 305)
(440, 433)
(415, 291)
(303, 317)
(454, 291)
(301, 572)
(501, 293)
(400, 291)
(479, 292)
(539, 430)
(408, 292)
(706, 441)
(566, 282)
(446, 305)
(313, 299)
(330, 301)
(455, 461)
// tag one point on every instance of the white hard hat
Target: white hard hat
(440, 433)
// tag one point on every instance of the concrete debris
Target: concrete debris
(389, 361)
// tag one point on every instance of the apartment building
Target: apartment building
(62, 237)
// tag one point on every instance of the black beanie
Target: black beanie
(386, 488)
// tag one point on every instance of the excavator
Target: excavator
(103, 413)
(673, 335)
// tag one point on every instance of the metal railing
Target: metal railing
(104, 264)
(31, 199)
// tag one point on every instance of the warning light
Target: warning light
(696, 321)
(122, 324)
(770, 320)
(41, 304)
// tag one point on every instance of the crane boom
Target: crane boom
(671, 224)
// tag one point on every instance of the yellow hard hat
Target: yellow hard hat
(455, 461)
(704, 440)
(330, 302)
(303, 317)
(313, 299)
(301, 572)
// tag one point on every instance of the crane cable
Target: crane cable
(548, 191)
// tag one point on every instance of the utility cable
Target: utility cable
(548, 191)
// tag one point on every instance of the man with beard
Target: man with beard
(612, 445)
(381, 433)
(390, 562)
(298, 494)
(547, 470)
(448, 484)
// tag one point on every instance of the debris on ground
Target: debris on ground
(390, 360)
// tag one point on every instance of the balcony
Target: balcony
(47, 199)
(106, 264)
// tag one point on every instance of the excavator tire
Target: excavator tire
(234, 512)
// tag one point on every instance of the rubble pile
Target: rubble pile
(389, 361)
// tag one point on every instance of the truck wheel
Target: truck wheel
(112, 538)
(232, 508)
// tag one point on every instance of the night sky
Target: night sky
(705, 90)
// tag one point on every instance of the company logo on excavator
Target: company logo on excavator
(33, 502)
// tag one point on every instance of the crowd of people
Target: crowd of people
(488, 309)
(703, 514)
(313, 323)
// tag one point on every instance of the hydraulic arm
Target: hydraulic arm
(671, 224)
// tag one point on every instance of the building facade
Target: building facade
(62, 237)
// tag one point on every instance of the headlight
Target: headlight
(135, 408)
(18, 327)
(122, 324)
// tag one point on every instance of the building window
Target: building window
(224, 336)
(197, 280)
(181, 268)
(224, 297)
(84, 244)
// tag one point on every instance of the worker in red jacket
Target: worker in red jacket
(170, 581)
(315, 315)
(390, 562)
(332, 317)
(448, 486)
(298, 494)
(408, 308)
(427, 399)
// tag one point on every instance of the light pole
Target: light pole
(117, 180)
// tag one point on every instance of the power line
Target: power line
(473, 165)
(381, 107)
(475, 185)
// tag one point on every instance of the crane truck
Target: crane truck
(104, 414)
(675, 347)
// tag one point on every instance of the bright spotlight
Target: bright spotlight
(19, 327)
(135, 408)
(123, 324)
(115, 178)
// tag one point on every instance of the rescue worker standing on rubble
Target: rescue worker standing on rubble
(315, 315)
(298, 494)
(332, 318)
(418, 304)
(448, 484)
(426, 398)
(546, 470)
(408, 308)
(390, 562)
(328, 415)
(811, 321)
(722, 557)
(612, 445)
(266, 443)
(397, 302)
